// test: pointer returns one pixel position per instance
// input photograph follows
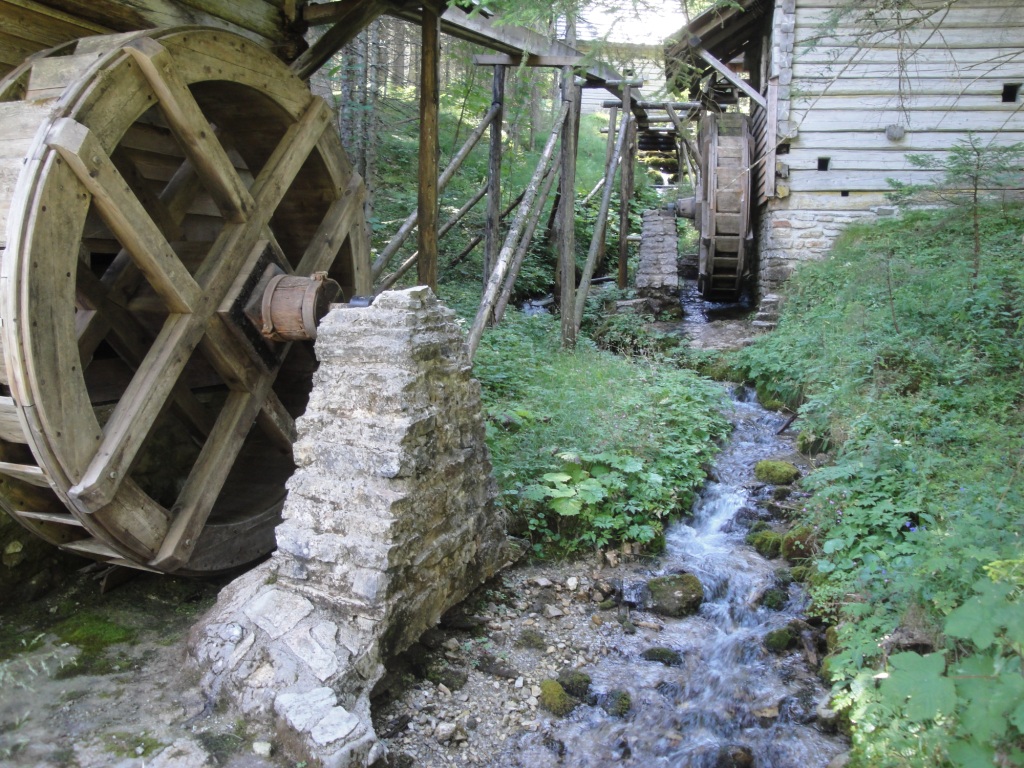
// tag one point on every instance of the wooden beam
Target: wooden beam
(625, 195)
(567, 211)
(492, 227)
(732, 77)
(526, 60)
(349, 18)
(430, 148)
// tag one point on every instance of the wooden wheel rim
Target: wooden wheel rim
(194, 81)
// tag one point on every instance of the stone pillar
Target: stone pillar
(657, 278)
(390, 520)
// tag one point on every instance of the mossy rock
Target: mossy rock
(531, 638)
(825, 669)
(759, 526)
(677, 595)
(617, 703)
(767, 543)
(774, 599)
(663, 655)
(575, 683)
(718, 369)
(606, 605)
(779, 640)
(768, 398)
(554, 699)
(776, 472)
(801, 573)
(784, 577)
(453, 678)
(798, 544)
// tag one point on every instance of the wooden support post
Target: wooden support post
(567, 209)
(625, 191)
(492, 228)
(524, 246)
(625, 196)
(501, 267)
(602, 216)
(430, 149)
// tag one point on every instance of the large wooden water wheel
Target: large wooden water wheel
(166, 184)
(723, 204)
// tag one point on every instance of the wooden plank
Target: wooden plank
(956, 122)
(525, 60)
(732, 77)
(93, 548)
(192, 129)
(125, 215)
(870, 141)
(26, 473)
(205, 481)
(49, 77)
(812, 181)
(564, 208)
(348, 18)
(344, 214)
(429, 148)
(60, 518)
(492, 223)
(10, 425)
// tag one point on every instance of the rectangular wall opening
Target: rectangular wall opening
(823, 163)
(1010, 92)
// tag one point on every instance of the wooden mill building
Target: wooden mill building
(839, 93)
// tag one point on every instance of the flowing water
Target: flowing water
(730, 702)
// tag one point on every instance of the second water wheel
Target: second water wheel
(167, 183)
(722, 205)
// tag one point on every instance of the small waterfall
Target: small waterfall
(730, 702)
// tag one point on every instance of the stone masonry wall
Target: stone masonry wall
(788, 238)
(389, 521)
(657, 278)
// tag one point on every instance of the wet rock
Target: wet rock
(606, 605)
(262, 748)
(735, 756)
(627, 626)
(827, 718)
(575, 683)
(779, 640)
(774, 599)
(768, 544)
(679, 594)
(776, 472)
(782, 492)
(662, 655)
(617, 703)
(542, 582)
(554, 698)
(839, 761)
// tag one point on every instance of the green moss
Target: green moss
(810, 444)
(768, 398)
(628, 626)
(776, 472)
(221, 746)
(663, 655)
(679, 594)
(825, 670)
(767, 543)
(798, 544)
(554, 699)
(575, 683)
(92, 634)
(531, 638)
(617, 703)
(606, 605)
(125, 744)
(831, 638)
(774, 599)
(779, 640)
(800, 573)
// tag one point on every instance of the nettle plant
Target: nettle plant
(597, 500)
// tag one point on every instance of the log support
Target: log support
(567, 209)
(430, 149)
(492, 230)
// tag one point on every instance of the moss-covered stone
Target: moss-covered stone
(452, 678)
(783, 577)
(776, 472)
(554, 699)
(663, 655)
(768, 398)
(774, 599)
(92, 634)
(606, 605)
(798, 543)
(810, 444)
(531, 638)
(575, 683)
(627, 626)
(679, 594)
(767, 543)
(617, 703)
(779, 640)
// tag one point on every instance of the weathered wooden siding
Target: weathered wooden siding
(27, 26)
(936, 82)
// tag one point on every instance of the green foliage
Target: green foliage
(591, 449)
(910, 367)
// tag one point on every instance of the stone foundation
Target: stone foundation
(390, 520)
(657, 278)
(788, 238)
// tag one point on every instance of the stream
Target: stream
(730, 702)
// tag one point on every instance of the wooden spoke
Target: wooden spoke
(138, 410)
(208, 476)
(325, 243)
(125, 215)
(192, 129)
